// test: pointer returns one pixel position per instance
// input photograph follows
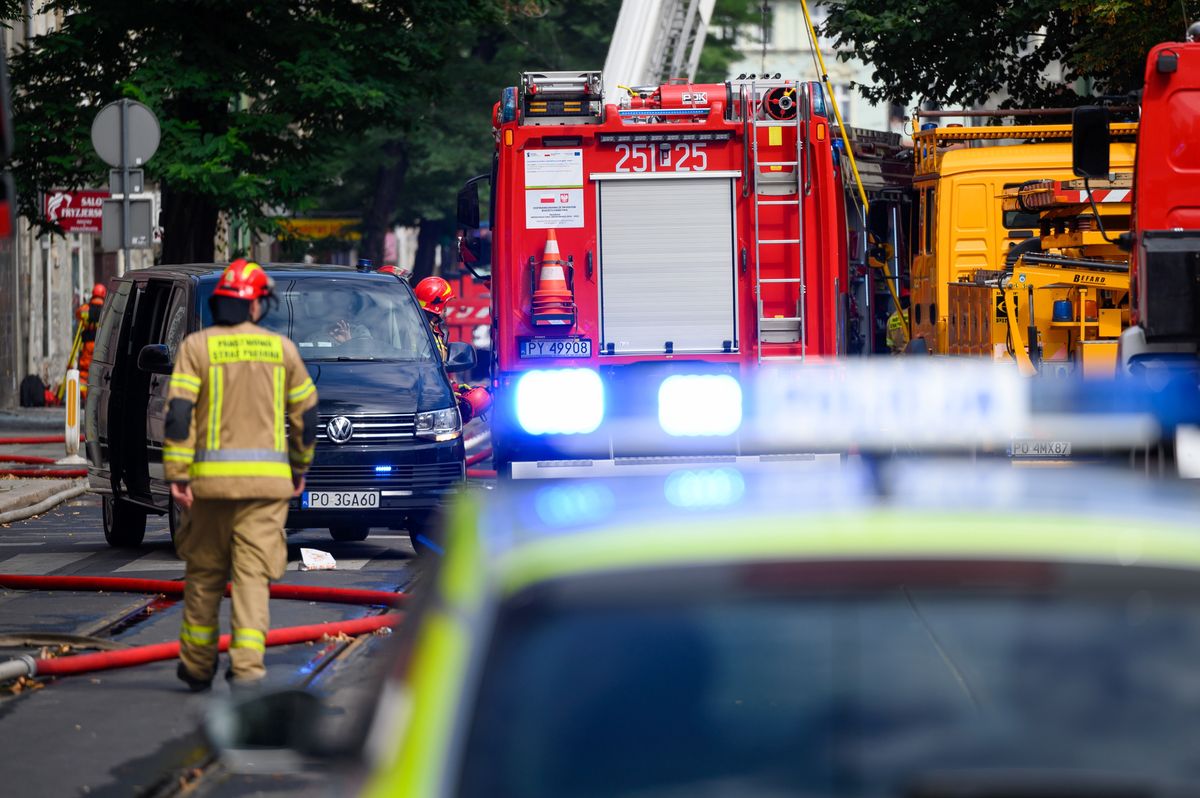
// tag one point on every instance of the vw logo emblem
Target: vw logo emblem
(340, 429)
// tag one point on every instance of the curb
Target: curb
(33, 421)
(45, 504)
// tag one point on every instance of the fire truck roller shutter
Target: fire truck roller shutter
(667, 265)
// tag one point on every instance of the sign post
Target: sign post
(125, 135)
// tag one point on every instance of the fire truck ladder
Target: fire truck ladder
(755, 91)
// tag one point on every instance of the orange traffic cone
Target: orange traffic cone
(553, 302)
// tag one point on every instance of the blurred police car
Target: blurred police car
(896, 628)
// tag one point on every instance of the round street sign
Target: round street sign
(142, 133)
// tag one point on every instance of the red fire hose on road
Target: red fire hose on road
(155, 652)
(60, 473)
(479, 456)
(106, 660)
(116, 584)
(83, 663)
(36, 439)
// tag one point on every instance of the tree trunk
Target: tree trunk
(429, 238)
(389, 182)
(189, 223)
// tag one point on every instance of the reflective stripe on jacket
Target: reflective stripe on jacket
(245, 386)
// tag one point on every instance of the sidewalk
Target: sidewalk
(22, 498)
(19, 497)
(33, 420)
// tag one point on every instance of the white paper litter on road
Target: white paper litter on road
(316, 560)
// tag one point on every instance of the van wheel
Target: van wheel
(425, 532)
(124, 523)
(348, 533)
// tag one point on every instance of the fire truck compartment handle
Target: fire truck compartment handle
(743, 260)
(587, 264)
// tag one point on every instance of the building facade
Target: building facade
(784, 47)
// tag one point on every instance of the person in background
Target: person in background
(434, 295)
(88, 316)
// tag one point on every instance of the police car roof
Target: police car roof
(911, 511)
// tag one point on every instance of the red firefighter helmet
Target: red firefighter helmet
(473, 402)
(434, 293)
(246, 280)
(99, 291)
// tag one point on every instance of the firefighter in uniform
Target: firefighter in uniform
(233, 464)
(897, 331)
(898, 327)
(434, 295)
(88, 315)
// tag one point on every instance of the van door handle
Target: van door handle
(106, 377)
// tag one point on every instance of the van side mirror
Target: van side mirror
(156, 359)
(460, 356)
(1089, 141)
(468, 205)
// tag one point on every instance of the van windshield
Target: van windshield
(331, 318)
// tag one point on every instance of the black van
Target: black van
(389, 445)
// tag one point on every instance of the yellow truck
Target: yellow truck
(965, 233)
(1075, 277)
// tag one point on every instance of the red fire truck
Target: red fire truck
(694, 230)
(1164, 235)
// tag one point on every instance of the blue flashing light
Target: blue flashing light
(560, 401)
(383, 469)
(705, 489)
(572, 505)
(700, 404)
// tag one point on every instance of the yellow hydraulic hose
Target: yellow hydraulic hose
(837, 112)
(812, 37)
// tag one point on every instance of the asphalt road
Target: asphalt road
(137, 731)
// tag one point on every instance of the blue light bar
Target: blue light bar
(704, 489)
(383, 469)
(574, 504)
(560, 401)
(700, 404)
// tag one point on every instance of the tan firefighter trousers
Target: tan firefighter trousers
(238, 540)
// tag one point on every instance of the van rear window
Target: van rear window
(333, 318)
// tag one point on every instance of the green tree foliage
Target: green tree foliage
(257, 100)
(959, 52)
(729, 18)
(449, 137)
